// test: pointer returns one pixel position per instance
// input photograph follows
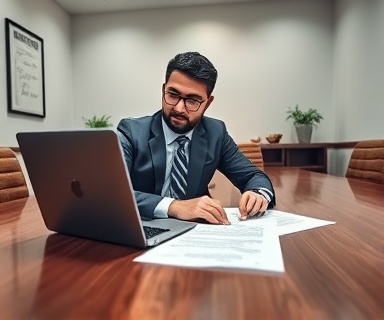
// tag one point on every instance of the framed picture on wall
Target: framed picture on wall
(25, 70)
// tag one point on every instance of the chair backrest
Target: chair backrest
(12, 181)
(252, 150)
(367, 161)
(220, 188)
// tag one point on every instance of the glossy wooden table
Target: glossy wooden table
(333, 272)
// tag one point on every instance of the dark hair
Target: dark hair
(196, 66)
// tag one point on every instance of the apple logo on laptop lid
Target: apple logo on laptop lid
(76, 188)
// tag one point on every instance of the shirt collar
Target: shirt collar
(170, 136)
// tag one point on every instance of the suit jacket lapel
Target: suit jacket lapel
(158, 153)
(197, 158)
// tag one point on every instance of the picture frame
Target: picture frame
(25, 71)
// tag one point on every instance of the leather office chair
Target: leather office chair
(220, 188)
(252, 150)
(367, 161)
(12, 181)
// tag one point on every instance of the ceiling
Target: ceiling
(97, 6)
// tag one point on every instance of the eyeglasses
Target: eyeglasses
(173, 99)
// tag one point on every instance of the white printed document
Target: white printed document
(249, 244)
(254, 246)
(286, 222)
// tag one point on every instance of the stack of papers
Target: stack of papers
(252, 244)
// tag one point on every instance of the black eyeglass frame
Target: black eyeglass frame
(184, 100)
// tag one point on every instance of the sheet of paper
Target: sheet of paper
(255, 246)
(286, 222)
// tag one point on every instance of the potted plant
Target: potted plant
(98, 122)
(304, 121)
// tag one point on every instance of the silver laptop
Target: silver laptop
(83, 188)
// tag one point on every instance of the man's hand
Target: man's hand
(198, 208)
(252, 203)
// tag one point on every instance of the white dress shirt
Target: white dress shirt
(161, 210)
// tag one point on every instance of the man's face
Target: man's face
(179, 118)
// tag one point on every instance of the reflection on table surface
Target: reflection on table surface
(333, 272)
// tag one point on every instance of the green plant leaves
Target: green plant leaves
(309, 117)
(98, 122)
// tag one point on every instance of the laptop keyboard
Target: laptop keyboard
(152, 232)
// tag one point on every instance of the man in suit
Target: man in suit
(170, 177)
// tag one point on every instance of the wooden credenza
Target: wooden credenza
(310, 156)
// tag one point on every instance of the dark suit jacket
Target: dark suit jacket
(211, 148)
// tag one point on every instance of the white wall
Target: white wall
(358, 74)
(359, 71)
(46, 19)
(270, 55)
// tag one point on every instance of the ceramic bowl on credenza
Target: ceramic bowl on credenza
(274, 138)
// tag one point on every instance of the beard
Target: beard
(180, 129)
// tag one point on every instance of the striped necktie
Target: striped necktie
(179, 171)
